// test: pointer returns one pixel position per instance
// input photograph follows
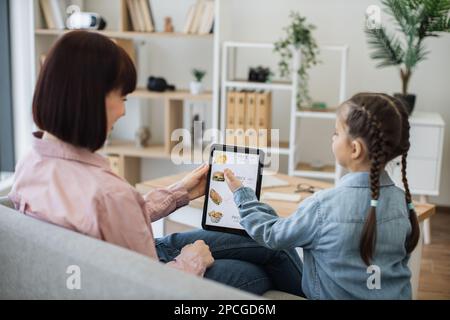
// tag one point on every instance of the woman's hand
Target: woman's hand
(195, 182)
(198, 250)
(233, 182)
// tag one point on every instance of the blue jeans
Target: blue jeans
(239, 261)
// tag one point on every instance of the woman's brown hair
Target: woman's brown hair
(78, 73)
(381, 121)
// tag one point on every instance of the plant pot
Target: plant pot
(408, 99)
(196, 87)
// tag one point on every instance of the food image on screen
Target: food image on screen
(221, 159)
(215, 196)
(215, 216)
(218, 176)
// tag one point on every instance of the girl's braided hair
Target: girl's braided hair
(381, 121)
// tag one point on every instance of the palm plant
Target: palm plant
(415, 20)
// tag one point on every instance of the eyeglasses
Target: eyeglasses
(304, 187)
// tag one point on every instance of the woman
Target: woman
(79, 96)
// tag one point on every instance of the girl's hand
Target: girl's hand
(233, 182)
(195, 182)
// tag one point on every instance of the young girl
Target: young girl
(364, 221)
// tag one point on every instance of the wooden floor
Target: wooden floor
(434, 280)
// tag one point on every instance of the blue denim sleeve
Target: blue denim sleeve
(263, 224)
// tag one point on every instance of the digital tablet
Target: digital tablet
(220, 213)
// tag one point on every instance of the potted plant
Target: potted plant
(298, 37)
(415, 20)
(197, 85)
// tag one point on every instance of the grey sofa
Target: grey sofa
(36, 259)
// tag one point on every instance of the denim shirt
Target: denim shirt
(328, 226)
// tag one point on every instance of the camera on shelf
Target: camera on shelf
(78, 20)
(259, 74)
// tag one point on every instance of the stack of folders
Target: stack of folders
(200, 18)
(248, 120)
(141, 16)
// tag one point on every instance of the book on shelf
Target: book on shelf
(52, 13)
(200, 18)
(141, 16)
(207, 18)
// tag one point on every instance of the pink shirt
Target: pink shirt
(76, 189)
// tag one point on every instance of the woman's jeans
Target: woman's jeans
(239, 261)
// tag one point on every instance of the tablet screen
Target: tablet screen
(221, 211)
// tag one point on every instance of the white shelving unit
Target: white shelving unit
(292, 149)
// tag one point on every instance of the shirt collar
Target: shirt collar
(55, 148)
(362, 180)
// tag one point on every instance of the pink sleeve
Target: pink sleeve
(122, 222)
(159, 203)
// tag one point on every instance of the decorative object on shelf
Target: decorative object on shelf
(416, 20)
(298, 36)
(197, 85)
(78, 20)
(168, 26)
(159, 84)
(319, 105)
(142, 137)
(259, 74)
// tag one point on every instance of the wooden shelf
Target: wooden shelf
(129, 149)
(327, 113)
(129, 34)
(307, 171)
(243, 84)
(171, 95)
(126, 148)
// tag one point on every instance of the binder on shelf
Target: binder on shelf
(263, 117)
(229, 129)
(239, 117)
(47, 14)
(250, 117)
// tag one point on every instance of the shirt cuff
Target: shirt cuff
(180, 194)
(243, 195)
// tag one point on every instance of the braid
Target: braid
(378, 158)
(413, 238)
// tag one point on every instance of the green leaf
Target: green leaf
(385, 48)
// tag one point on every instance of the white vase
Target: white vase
(196, 87)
